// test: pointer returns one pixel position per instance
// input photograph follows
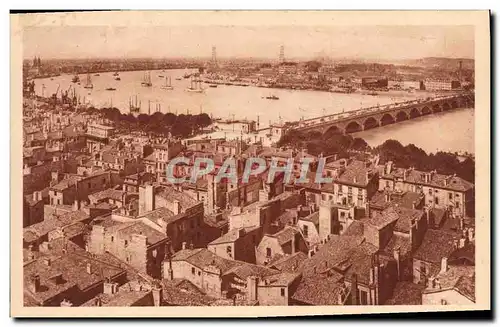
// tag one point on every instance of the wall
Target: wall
(452, 297)
(312, 233)
(261, 252)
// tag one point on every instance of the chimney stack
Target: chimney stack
(444, 265)
(157, 295)
(34, 285)
(184, 245)
(177, 207)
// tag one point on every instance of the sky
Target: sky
(354, 42)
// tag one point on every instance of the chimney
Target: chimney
(397, 258)
(461, 242)
(430, 282)
(405, 174)
(388, 167)
(444, 265)
(34, 285)
(470, 234)
(110, 288)
(157, 295)
(354, 290)
(47, 262)
(252, 289)
(184, 245)
(177, 207)
(89, 268)
(76, 205)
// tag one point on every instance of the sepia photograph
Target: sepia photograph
(249, 163)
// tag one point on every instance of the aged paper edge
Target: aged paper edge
(478, 19)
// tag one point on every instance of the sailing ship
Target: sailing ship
(134, 107)
(168, 84)
(88, 83)
(147, 80)
(195, 86)
(75, 79)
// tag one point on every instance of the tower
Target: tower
(282, 54)
(214, 56)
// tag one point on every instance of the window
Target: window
(349, 189)
(282, 291)
(387, 184)
(229, 249)
(363, 297)
(199, 273)
(444, 302)
(154, 253)
(193, 271)
(323, 197)
(450, 196)
(268, 252)
(126, 243)
(306, 231)
(436, 200)
(430, 191)
(112, 238)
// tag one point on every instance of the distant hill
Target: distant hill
(444, 63)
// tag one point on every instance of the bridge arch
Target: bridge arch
(426, 111)
(454, 104)
(446, 106)
(387, 119)
(353, 127)
(414, 113)
(333, 130)
(402, 115)
(369, 123)
(436, 108)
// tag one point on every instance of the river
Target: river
(250, 102)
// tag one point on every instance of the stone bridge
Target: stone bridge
(377, 116)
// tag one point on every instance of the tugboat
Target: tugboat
(147, 80)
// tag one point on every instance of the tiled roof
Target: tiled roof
(160, 213)
(383, 219)
(314, 218)
(436, 245)
(356, 228)
(403, 199)
(356, 173)
(203, 257)
(286, 234)
(73, 268)
(460, 278)
(454, 183)
(320, 291)
(153, 236)
(170, 194)
(405, 216)
(289, 263)
(244, 270)
(406, 293)
(233, 235)
(281, 279)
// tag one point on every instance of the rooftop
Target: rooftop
(436, 245)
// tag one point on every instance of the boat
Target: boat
(212, 85)
(195, 87)
(116, 74)
(75, 79)
(146, 81)
(134, 107)
(161, 76)
(88, 83)
(97, 75)
(110, 89)
(372, 93)
(187, 75)
(178, 78)
(272, 97)
(118, 79)
(168, 84)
